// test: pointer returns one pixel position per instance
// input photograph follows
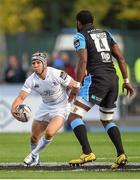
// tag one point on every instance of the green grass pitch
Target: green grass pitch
(15, 146)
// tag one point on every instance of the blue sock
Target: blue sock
(76, 122)
(110, 125)
(80, 131)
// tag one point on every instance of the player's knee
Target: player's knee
(77, 111)
(49, 134)
(105, 123)
(106, 114)
(34, 139)
(72, 117)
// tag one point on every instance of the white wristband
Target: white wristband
(126, 80)
(77, 84)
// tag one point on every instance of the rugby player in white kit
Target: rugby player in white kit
(51, 84)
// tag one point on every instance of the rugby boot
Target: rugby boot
(31, 160)
(120, 161)
(84, 158)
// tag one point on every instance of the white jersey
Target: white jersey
(52, 89)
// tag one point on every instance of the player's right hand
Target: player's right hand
(16, 115)
(73, 94)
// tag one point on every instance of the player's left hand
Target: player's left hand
(130, 90)
(73, 94)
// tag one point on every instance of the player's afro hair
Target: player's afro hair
(85, 17)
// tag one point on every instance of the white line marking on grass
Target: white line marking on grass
(129, 157)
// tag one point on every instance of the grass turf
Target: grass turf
(14, 147)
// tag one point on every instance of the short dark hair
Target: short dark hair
(85, 17)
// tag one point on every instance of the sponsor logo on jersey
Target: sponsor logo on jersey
(76, 43)
(96, 98)
(63, 75)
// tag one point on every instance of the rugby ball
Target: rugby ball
(24, 112)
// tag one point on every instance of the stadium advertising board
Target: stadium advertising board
(9, 124)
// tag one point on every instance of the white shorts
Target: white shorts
(46, 113)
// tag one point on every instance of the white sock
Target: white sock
(33, 146)
(43, 142)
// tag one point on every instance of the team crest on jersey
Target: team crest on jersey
(76, 43)
(63, 75)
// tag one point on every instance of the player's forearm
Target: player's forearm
(81, 66)
(17, 101)
(80, 72)
(123, 68)
(121, 60)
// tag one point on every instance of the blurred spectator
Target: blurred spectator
(14, 73)
(53, 57)
(59, 64)
(56, 62)
(68, 67)
(25, 62)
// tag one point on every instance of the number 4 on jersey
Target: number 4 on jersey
(100, 40)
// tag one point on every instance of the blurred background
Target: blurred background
(27, 26)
